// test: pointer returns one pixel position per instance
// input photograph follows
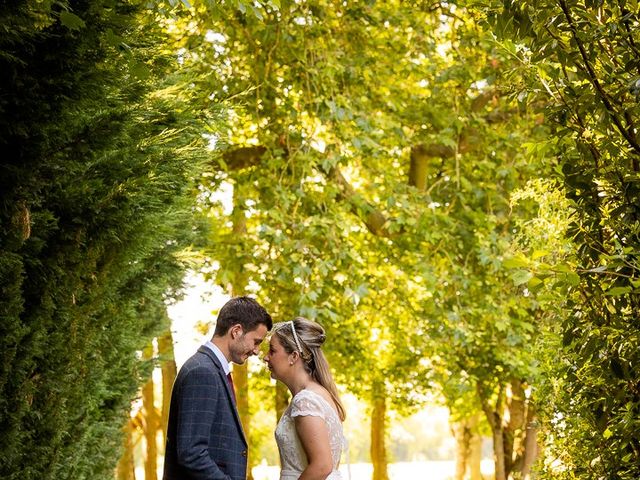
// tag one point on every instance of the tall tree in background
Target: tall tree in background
(151, 424)
(169, 371)
(100, 157)
(327, 96)
(287, 72)
(468, 148)
(237, 286)
(125, 469)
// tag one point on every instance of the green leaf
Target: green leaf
(534, 282)
(617, 291)
(517, 261)
(113, 39)
(521, 276)
(256, 11)
(573, 279)
(71, 21)
(563, 267)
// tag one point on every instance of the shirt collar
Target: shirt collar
(223, 360)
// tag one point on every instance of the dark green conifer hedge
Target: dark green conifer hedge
(99, 163)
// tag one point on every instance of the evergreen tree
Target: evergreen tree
(100, 158)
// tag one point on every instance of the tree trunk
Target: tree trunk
(522, 449)
(418, 167)
(169, 372)
(237, 287)
(241, 384)
(498, 447)
(514, 442)
(476, 456)
(468, 448)
(378, 420)
(151, 422)
(494, 417)
(514, 430)
(126, 466)
(530, 444)
(462, 436)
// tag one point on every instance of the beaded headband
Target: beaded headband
(295, 335)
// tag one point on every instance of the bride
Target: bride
(309, 434)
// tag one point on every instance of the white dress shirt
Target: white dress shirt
(223, 360)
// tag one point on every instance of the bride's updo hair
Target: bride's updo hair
(310, 337)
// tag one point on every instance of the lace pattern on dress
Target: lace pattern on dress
(308, 405)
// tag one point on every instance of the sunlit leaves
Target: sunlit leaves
(587, 65)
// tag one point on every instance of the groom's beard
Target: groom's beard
(239, 351)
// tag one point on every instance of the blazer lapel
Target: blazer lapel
(223, 379)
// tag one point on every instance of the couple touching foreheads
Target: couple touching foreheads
(205, 440)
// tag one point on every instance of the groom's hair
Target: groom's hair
(245, 311)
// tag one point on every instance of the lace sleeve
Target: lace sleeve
(305, 404)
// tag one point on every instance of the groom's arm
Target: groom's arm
(198, 409)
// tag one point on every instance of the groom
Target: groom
(205, 440)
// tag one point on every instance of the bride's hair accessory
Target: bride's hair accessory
(295, 335)
(293, 330)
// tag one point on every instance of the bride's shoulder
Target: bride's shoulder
(316, 394)
(312, 391)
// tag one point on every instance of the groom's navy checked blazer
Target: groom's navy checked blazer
(205, 440)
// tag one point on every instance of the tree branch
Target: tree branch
(374, 220)
(243, 157)
(627, 27)
(594, 79)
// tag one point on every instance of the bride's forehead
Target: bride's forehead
(275, 341)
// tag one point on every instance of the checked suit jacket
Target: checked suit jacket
(205, 440)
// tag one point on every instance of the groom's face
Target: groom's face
(244, 344)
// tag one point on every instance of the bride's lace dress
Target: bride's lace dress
(293, 459)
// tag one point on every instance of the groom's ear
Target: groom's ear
(235, 331)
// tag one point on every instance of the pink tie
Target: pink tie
(233, 390)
